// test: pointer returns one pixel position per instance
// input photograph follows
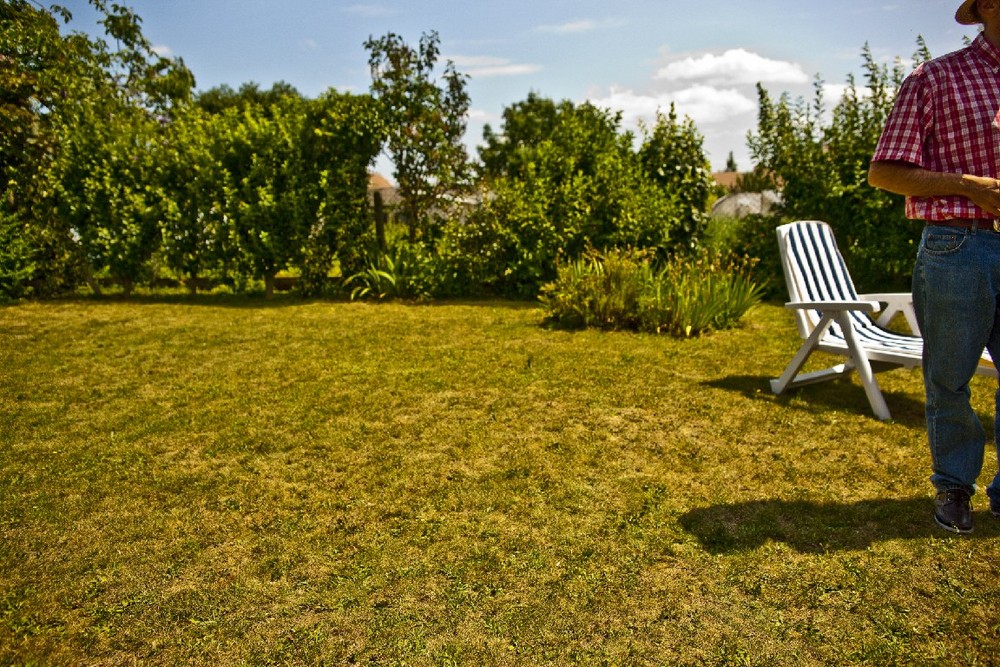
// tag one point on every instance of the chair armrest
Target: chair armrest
(895, 302)
(887, 297)
(831, 306)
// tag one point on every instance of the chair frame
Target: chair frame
(862, 339)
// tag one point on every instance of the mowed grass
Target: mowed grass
(227, 481)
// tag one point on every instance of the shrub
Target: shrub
(620, 289)
(603, 291)
(701, 293)
(406, 271)
(16, 262)
(821, 160)
(752, 237)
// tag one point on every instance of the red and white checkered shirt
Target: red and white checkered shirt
(946, 118)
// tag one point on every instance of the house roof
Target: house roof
(727, 179)
(377, 181)
(384, 187)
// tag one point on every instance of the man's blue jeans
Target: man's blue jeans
(956, 295)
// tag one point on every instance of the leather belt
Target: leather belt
(981, 224)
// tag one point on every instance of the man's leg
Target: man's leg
(955, 303)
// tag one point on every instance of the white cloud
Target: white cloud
(834, 92)
(163, 51)
(571, 27)
(732, 67)
(483, 67)
(715, 90)
(308, 44)
(582, 26)
(705, 105)
(483, 116)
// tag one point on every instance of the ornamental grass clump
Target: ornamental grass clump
(701, 293)
(621, 290)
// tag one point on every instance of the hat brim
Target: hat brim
(965, 15)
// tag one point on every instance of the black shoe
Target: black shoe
(995, 507)
(953, 510)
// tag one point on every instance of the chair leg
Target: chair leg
(790, 377)
(860, 359)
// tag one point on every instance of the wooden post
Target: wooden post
(379, 221)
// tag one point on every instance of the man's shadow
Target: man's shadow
(813, 527)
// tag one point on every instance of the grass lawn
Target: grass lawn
(227, 481)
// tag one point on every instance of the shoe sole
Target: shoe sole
(951, 528)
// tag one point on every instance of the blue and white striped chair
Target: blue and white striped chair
(833, 317)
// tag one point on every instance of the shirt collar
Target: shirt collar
(986, 48)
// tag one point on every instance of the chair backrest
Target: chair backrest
(814, 270)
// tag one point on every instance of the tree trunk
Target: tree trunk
(92, 283)
(268, 286)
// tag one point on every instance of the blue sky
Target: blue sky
(633, 56)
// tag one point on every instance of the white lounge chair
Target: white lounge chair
(833, 317)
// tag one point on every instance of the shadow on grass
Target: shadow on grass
(841, 395)
(811, 527)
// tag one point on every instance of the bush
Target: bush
(620, 289)
(406, 271)
(752, 237)
(603, 291)
(700, 293)
(822, 159)
(16, 262)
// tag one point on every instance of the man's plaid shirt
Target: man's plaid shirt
(946, 118)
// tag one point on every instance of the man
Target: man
(941, 148)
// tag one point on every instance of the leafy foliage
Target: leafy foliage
(112, 169)
(822, 168)
(195, 232)
(220, 98)
(16, 262)
(706, 293)
(406, 271)
(425, 119)
(83, 120)
(673, 157)
(106, 190)
(620, 289)
(563, 178)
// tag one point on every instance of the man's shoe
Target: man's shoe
(995, 507)
(953, 510)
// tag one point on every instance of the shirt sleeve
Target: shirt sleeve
(908, 124)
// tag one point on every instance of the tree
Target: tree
(673, 157)
(295, 178)
(83, 120)
(196, 235)
(822, 166)
(263, 187)
(106, 190)
(525, 124)
(425, 119)
(563, 179)
(731, 164)
(218, 99)
(341, 136)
